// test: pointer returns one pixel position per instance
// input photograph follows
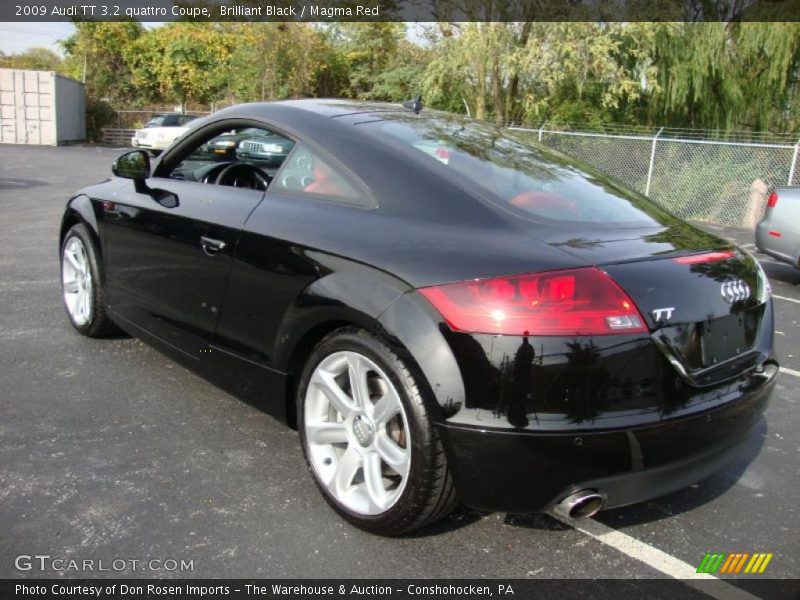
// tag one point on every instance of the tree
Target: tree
(96, 56)
(36, 59)
(182, 62)
(727, 75)
(403, 76)
(367, 50)
(273, 61)
(716, 75)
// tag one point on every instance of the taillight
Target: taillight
(706, 257)
(772, 200)
(583, 301)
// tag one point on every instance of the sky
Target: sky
(16, 37)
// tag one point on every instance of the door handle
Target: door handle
(211, 246)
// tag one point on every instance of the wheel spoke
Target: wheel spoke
(357, 371)
(335, 395)
(385, 408)
(326, 433)
(82, 303)
(356, 453)
(72, 286)
(346, 470)
(392, 454)
(73, 261)
(373, 478)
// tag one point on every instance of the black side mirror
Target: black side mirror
(132, 165)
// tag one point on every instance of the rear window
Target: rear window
(526, 179)
(306, 172)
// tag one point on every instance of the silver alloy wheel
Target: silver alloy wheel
(76, 281)
(357, 433)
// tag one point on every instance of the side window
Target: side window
(307, 173)
(258, 151)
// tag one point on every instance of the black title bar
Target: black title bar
(400, 10)
(391, 589)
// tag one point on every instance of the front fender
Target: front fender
(79, 207)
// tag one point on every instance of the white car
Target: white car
(160, 131)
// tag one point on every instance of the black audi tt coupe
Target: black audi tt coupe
(446, 312)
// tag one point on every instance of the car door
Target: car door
(168, 249)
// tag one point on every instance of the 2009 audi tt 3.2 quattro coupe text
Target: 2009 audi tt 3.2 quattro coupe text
(447, 313)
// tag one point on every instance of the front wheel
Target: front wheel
(81, 284)
(367, 437)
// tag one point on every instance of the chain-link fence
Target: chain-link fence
(716, 180)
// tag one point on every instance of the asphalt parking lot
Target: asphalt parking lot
(109, 450)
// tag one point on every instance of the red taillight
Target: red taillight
(573, 302)
(772, 200)
(774, 233)
(706, 257)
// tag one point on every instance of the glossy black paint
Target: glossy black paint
(240, 284)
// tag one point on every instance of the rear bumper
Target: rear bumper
(514, 471)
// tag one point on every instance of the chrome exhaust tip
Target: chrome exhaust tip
(581, 505)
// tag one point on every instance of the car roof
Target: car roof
(335, 107)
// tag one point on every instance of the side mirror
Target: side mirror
(132, 165)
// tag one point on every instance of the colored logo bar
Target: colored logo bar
(738, 562)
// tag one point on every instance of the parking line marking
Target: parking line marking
(787, 299)
(790, 371)
(657, 559)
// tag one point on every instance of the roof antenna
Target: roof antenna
(415, 104)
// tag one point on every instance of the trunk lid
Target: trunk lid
(702, 298)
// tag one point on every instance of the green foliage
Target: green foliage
(367, 51)
(703, 75)
(727, 75)
(37, 59)
(99, 114)
(180, 61)
(273, 61)
(96, 55)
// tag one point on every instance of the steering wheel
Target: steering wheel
(243, 175)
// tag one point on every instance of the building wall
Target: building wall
(40, 107)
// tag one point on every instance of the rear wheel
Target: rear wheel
(81, 284)
(367, 437)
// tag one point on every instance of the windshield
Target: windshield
(169, 120)
(527, 179)
(155, 121)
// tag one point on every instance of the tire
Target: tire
(82, 285)
(411, 484)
